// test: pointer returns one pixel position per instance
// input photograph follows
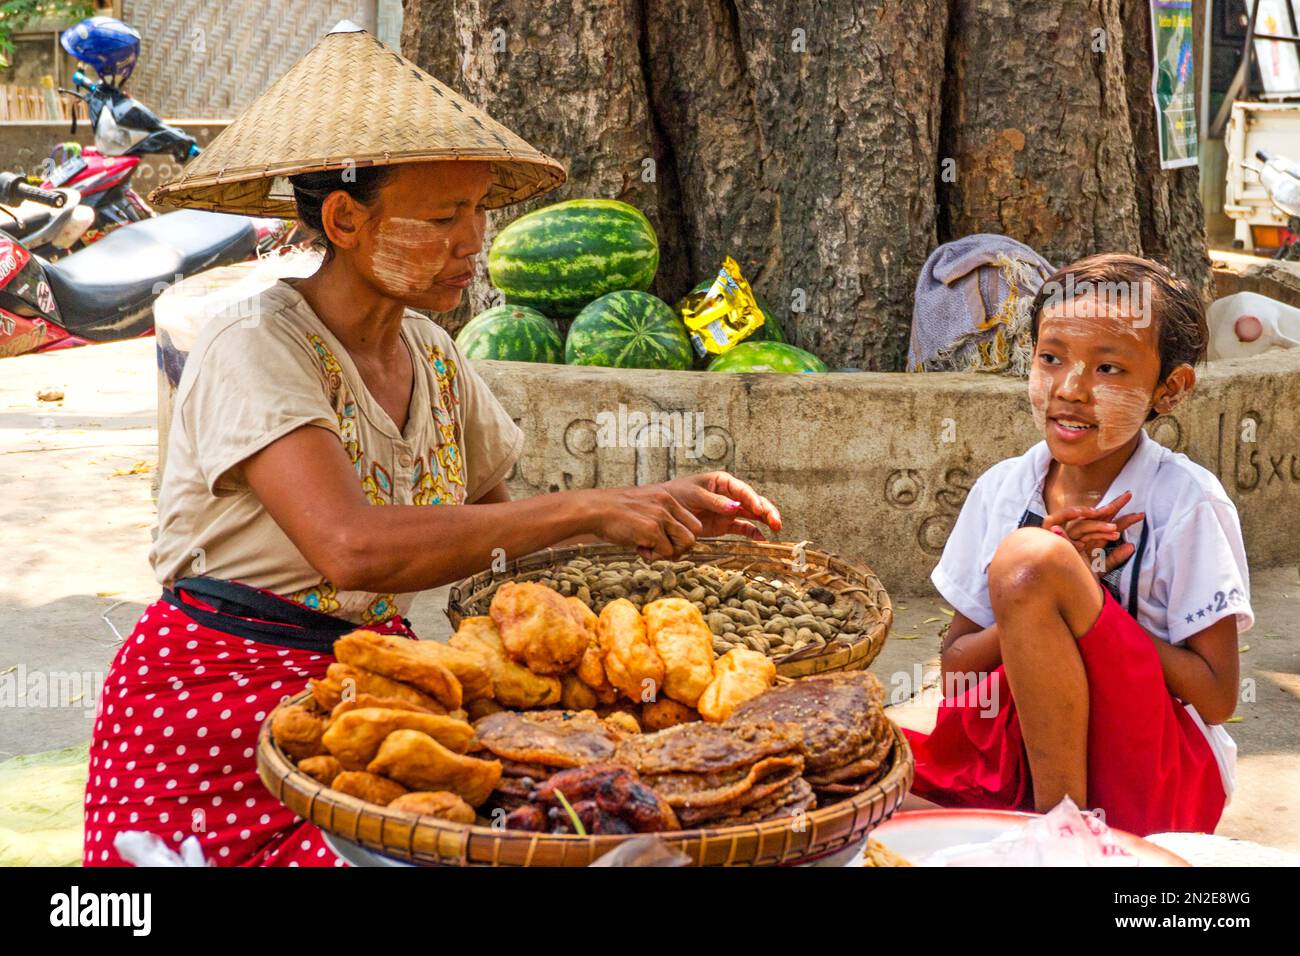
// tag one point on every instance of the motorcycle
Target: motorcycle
(124, 129)
(105, 292)
(47, 231)
(1280, 178)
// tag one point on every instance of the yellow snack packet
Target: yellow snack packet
(724, 315)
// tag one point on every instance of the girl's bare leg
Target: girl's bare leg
(1045, 597)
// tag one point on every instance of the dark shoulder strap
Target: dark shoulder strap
(1137, 567)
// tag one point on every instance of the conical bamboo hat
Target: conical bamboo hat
(351, 101)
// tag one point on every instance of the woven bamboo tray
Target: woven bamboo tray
(873, 611)
(429, 841)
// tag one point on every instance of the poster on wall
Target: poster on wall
(1173, 85)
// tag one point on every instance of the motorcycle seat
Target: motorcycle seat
(106, 290)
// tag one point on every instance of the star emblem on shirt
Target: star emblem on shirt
(1189, 619)
(1200, 612)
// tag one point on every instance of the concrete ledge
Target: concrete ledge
(876, 466)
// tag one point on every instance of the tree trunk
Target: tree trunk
(1038, 125)
(803, 138)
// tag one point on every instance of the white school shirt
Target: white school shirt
(1192, 569)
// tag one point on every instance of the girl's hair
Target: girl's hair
(310, 190)
(1148, 290)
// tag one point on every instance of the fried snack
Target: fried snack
(591, 666)
(418, 761)
(435, 803)
(513, 685)
(708, 748)
(478, 709)
(575, 695)
(343, 682)
(400, 659)
(470, 669)
(631, 662)
(355, 737)
(685, 644)
(322, 769)
(738, 675)
(367, 700)
(622, 720)
(298, 732)
(551, 738)
(538, 627)
(369, 787)
(664, 713)
(877, 854)
(606, 799)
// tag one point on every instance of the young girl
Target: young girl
(1099, 580)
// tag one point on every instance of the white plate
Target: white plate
(917, 833)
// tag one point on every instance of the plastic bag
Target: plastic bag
(140, 848)
(1063, 837)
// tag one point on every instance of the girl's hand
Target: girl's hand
(1091, 529)
(664, 520)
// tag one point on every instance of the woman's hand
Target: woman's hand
(664, 520)
(1090, 529)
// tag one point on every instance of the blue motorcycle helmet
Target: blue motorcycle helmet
(106, 45)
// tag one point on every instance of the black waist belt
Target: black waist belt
(244, 611)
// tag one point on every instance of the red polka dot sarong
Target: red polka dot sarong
(173, 746)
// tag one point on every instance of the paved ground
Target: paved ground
(77, 514)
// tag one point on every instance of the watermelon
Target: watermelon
(769, 331)
(629, 329)
(559, 258)
(511, 332)
(766, 357)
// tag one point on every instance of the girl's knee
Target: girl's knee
(1028, 559)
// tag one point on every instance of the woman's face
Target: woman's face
(419, 238)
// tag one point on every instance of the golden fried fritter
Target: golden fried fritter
(356, 735)
(435, 803)
(369, 787)
(481, 708)
(631, 662)
(418, 761)
(739, 675)
(622, 720)
(513, 685)
(685, 644)
(575, 695)
(665, 712)
(344, 682)
(470, 669)
(538, 627)
(298, 731)
(322, 769)
(591, 666)
(400, 659)
(387, 703)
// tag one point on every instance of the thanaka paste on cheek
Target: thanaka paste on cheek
(1120, 413)
(409, 255)
(1040, 392)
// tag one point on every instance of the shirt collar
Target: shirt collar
(1137, 475)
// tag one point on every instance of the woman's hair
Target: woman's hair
(310, 190)
(1144, 288)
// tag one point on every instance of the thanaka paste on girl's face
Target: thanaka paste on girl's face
(409, 255)
(1040, 394)
(1121, 410)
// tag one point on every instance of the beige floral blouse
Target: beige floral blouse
(269, 366)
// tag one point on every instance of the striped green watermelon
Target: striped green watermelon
(766, 357)
(769, 331)
(512, 332)
(628, 330)
(559, 258)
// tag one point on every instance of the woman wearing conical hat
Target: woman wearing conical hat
(300, 410)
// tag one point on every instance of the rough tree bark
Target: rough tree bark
(803, 138)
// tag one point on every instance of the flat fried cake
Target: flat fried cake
(550, 738)
(837, 712)
(701, 747)
(715, 789)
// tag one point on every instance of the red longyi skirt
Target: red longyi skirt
(1150, 768)
(174, 740)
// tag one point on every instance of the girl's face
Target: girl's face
(1096, 374)
(419, 237)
